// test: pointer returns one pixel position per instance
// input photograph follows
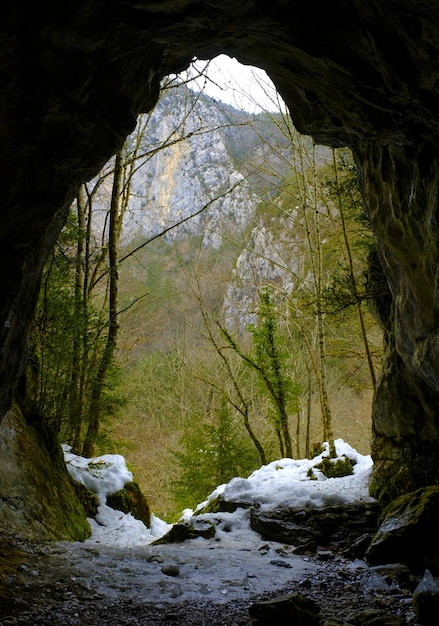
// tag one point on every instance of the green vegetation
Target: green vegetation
(72, 373)
(269, 360)
(211, 453)
(333, 468)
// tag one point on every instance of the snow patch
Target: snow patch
(282, 483)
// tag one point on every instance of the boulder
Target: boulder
(188, 530)
(287, 610)
(426, 600)
(220, 505)
(130, 499)
(408, 532)
(346, 527)
(38, 500)
(87, 498)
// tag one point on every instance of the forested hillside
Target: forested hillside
(205, 307)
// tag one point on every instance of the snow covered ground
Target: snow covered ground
(120, 560)
(120, 575)
(281, 483)
(105, 475)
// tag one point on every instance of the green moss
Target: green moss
(76, 526)
(87, 498)
(44, 505)
(63, 508)
(214, 506)
(413, 506)
(387, 485)
(333, 468)
(413, 464)
(317, 450)
(130, 499)
(219, 505)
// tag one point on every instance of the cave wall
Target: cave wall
(74, 77)
(400, 187)
(37, 496)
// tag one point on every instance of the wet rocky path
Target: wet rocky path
(195, 583)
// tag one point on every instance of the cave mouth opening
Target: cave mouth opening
(233, 85)
(362, 439)
(359, 78)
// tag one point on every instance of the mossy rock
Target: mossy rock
(220, 505)
(39, 501)
(408, 532)
(130, 499)
(87, 498)
(316, 450)
(402, 467)
(333, 468)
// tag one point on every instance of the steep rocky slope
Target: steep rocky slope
(201, 154)
(198, 152)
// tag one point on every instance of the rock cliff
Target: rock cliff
(74, 77)
(195, 156)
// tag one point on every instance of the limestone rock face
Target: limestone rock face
(175, 182)
(37, 497)
(73, 78)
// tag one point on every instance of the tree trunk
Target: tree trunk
(95, 408)
(322, 380)
(353, 279)
(308, 416)
(75, 400)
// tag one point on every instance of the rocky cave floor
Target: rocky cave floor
(32, 593)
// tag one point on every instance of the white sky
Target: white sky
(242, 86)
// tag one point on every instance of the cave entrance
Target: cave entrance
(362, 77)
(225, 202)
